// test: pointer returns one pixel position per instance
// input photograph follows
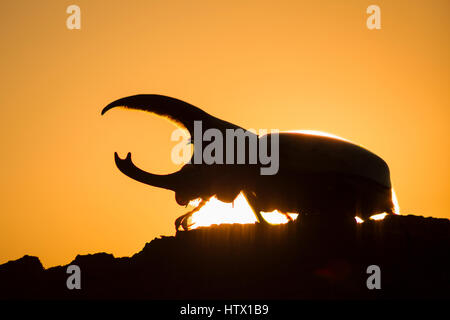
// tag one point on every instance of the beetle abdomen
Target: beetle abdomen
(327, 176)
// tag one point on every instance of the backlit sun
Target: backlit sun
(218, 212)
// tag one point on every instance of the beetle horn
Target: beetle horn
(175, 110)
(167, 181)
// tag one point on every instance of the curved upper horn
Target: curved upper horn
(176, 110)
(167, 181)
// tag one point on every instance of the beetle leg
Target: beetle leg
(252, 200)
(288, 216)
(183, 220)
(180, 221)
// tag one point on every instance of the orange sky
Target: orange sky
(260, 64)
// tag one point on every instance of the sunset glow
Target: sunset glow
(358, 219)
(395, 202)
(379, 216)
(317, 133)
(276, 217)
(259, 64)
(218, 212)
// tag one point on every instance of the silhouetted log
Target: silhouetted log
(312, 259)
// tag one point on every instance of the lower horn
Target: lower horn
(127, 167)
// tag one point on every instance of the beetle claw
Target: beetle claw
(183, 220)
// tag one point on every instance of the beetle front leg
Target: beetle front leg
(183, 220)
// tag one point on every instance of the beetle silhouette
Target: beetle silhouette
(317, 176)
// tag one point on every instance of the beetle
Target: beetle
(317, 175)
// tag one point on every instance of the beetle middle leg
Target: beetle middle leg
(288, 216)
(253, 201)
